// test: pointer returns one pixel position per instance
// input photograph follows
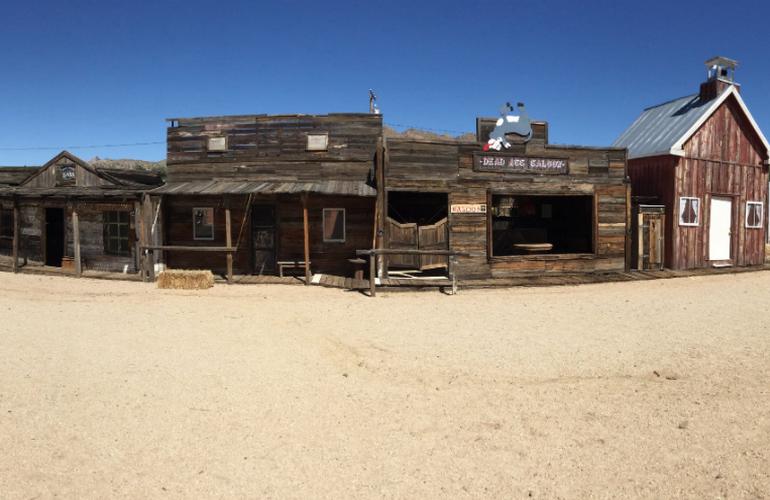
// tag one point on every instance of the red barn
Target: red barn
(705, 161)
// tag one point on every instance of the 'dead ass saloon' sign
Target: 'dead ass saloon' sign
(519, 164)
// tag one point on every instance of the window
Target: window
(317, 142)
(217, 144)
(530, 225)
(6, 223)
(689, 211)
(754, 215)
(203, 223)
(116, 227)
(334, 225)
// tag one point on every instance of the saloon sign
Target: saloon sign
(520, 164)
(468, 208)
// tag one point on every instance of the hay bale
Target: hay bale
(185, 279)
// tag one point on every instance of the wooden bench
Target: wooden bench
(293, 264)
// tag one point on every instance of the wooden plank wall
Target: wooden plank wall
(325, 257)
(654, 178)
(447, 167)
(83, 177)
(723, 158)
(273, 148)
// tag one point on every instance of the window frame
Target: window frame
(108, 238)
(761, 215)
(344, 225)
(326, 142)
(217, 137)
(697, 211)
(194, 226)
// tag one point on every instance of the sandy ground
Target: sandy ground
(647, 389)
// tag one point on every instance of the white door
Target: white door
(720, 225)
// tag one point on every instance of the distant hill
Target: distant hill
(129, 164)
(425, 135)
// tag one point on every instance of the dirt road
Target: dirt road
(643, 389)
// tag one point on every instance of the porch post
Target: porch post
(381, 211)
(16, 236)
(76, 240)
(229, 243)
(307, 238)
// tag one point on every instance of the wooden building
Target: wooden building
(68, 214)
(703, 161)
(258, 194)
(530, 208)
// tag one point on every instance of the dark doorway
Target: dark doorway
(263, 238)
(54, 236)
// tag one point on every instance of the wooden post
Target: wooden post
(372, 274)
(229, 244)
(381, 208)
(148, 266)
(307, 239)
(76, 241)
(16, 236)
(628, 225)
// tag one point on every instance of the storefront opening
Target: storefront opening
(527, 225)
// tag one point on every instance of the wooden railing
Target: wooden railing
(376, 252)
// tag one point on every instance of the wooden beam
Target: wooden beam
(381, 205)
(229, 244)
(76, 242)
(306, 228)
(372, 275)
(628, 227)
(16, 236)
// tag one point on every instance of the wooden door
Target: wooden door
(720, 228)
(402, 236)
(263, 238)
(433, 237)
(651, 240)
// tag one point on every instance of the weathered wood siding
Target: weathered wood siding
(448, 167)
(46, 177)
(723, 158)
(325, 257)
(653, 179)
(91, 213)
(274, 148)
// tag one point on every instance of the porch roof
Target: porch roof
(214, 187)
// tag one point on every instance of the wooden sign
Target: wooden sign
(519, 164)
(468, 208)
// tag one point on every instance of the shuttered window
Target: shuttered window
(116, 227)
(334, 225)
(689, 211)
(754, 214)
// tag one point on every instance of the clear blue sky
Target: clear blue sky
(107, 72)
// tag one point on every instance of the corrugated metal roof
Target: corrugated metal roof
(660, 127)
(214, 187)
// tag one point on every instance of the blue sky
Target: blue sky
(109, 72)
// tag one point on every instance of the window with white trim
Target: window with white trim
(754, 214)
(203, 223)
(689, 211)
(334, 225)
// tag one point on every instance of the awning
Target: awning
(215, 187)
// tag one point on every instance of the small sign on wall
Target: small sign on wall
(468, 208)
(520, 164)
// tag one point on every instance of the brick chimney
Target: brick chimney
(720, 74)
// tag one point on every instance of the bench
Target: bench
(292, 264)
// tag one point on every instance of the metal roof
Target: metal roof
(215, 187)
(661, 127)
